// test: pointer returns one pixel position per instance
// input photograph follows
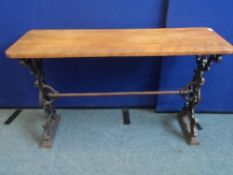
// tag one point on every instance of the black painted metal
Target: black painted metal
(126, 117)
(13, 116)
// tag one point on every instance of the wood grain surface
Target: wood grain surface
(118, 42)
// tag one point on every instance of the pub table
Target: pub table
(203, 43)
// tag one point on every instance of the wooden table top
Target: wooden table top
(118, 42)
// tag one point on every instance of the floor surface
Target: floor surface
(95, 142)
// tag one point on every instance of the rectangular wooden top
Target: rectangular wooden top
(118, 42)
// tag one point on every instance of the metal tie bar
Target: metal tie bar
(95, 94)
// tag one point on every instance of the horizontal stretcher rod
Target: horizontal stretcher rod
(95, 94)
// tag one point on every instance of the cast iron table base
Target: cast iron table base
(191, 94)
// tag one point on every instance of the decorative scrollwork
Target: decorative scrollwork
(203, 65)
(35, 66)
(187, 91)
(36, 69)
(192, 91)
(48, 90)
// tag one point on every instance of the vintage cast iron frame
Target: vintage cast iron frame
(191, 94)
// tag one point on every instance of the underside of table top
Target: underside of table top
(118, 42)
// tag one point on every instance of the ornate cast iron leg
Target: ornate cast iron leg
(188, 122)
(51, 117)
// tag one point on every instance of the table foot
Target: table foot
(185, 125)
(50, 132)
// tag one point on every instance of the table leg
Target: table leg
(186, 117)
(51, 117)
